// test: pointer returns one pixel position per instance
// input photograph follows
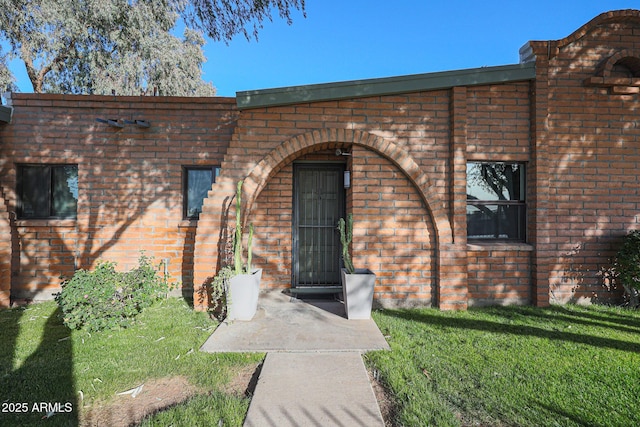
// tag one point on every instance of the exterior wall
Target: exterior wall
(5, 255)
(498, 120)
(410, 131)
(130, 181)
(574, 126)
(592, 146)
(272, 242)
(393, 233)
(499, 275)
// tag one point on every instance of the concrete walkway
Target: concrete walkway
(313, 374)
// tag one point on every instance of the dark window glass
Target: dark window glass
(198, 182)
(48, 191)
(496, 206)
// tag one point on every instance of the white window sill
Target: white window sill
(499, 246)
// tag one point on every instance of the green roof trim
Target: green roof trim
(5, 114)
(384, 86)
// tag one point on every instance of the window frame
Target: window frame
(521, 204)
(215, 172)
(20, 189)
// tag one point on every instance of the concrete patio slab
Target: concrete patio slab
(286, 324)
(313, 374)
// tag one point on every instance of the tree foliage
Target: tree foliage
(124, 46)
(7, 81)
(223, 19)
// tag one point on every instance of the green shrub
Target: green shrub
(627, 267)
(105, 298)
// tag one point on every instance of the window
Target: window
(47, 191)
(197, 183)
(496, 201)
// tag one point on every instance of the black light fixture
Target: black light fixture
(139, 123)
(120, 124)
(111, 122)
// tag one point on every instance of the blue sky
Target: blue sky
(357, 39)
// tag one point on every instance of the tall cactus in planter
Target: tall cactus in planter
(357, 285)
(346, 235)
(240, 286)
(237, 243)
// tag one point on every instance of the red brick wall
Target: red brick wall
(389, 136)
(498, 122)
(499, 275)
(404, 142)
(272, 218)
(130, 180)
(592, 155)
(393, 232)
(578, 137)
(5, 254)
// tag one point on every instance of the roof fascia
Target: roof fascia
(384, 86)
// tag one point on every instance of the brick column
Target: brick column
(538, 189)
(5, 255)
(453, 292)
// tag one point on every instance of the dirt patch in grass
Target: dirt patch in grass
(243, 382)
(157, 395)
(125, 410)
(386, 402)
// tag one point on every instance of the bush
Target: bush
(105, 298)
(627, 267)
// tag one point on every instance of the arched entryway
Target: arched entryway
(417, 220)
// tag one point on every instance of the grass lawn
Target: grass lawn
(43, 363)
(512, 366)
(501, 366)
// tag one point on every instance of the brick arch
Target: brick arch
(208, 233)
(628, 57)
(299, 145)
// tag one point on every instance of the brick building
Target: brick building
(510, 184)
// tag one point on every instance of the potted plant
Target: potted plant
(357, 283)
(238, 285)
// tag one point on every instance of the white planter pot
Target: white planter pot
(357, 289)
(242, 295)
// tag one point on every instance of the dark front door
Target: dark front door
(319, 201)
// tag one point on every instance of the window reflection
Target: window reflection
(48, 191)
(197, 186)
(495, 201)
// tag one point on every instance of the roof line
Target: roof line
(384, 86)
